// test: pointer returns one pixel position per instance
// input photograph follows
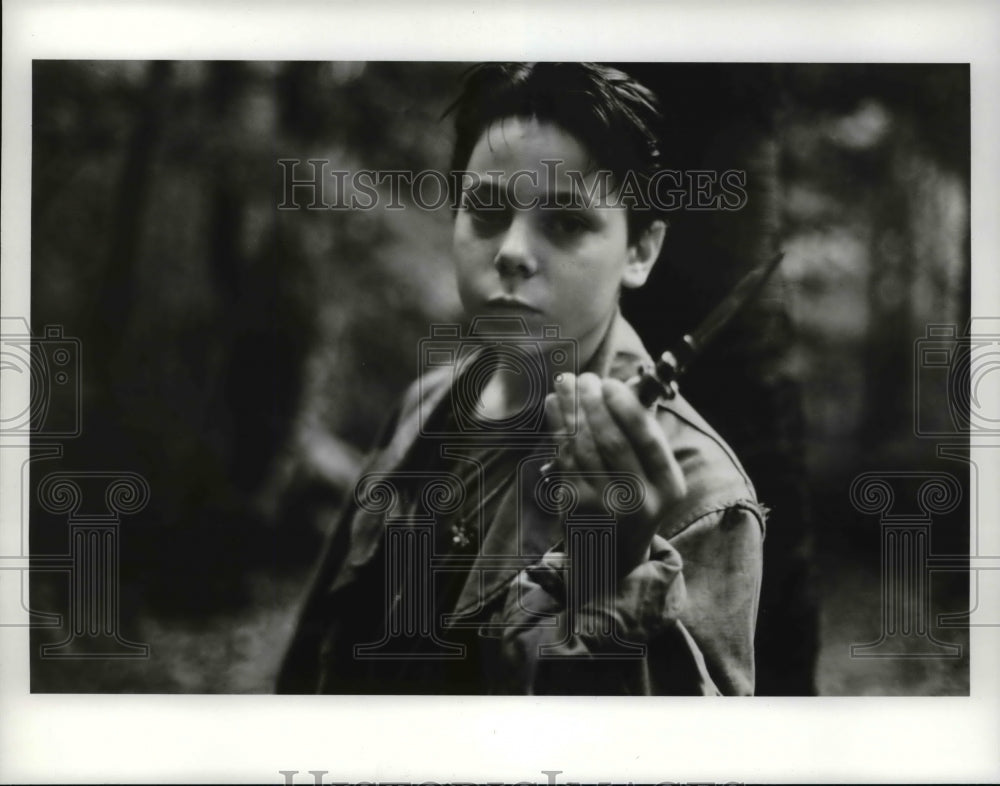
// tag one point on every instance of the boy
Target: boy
(450, 572)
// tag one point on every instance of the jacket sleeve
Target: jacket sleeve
(300, 670)
(674, 625)
(723, 560)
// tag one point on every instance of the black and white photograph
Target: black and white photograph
(584, 383)
(251, 263)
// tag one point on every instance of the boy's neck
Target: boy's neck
(511, 390)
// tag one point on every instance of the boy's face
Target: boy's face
(552, 264)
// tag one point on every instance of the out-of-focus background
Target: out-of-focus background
(240, 357)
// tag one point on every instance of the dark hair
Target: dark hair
(616, 118)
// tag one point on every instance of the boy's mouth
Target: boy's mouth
(511, 302)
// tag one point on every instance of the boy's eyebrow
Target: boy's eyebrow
(491, 192)
(571, 198)
(487, 193)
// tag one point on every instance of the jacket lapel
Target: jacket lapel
(368, 528)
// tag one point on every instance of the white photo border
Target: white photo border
(102, 738)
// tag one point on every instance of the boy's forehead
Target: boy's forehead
(528, 142)
(532, 154)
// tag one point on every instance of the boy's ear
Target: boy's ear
(643, 253)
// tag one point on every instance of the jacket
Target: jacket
(680, 623)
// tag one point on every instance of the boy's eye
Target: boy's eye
(486, 219)
(566, 223)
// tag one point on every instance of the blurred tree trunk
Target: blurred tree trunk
(110, 311)
(725, 119)
(265, 325)
(892, 273)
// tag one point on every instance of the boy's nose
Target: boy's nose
(516, 255)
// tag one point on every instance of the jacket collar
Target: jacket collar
(620, 352)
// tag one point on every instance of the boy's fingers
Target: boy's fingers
(553, 413)
(565, 388)
(614, 449)
(648, 440)
(585, 449)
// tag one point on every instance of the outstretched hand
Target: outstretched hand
(607, 431)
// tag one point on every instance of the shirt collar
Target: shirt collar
(620, 353)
